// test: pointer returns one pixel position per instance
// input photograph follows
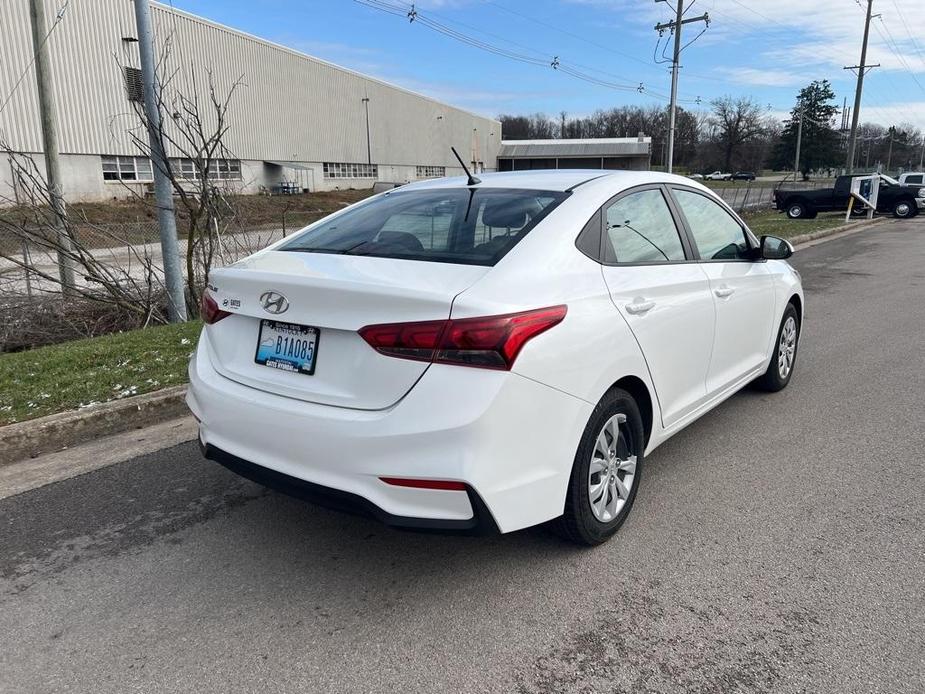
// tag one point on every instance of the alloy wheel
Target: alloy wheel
(787, 348)
(612, 470)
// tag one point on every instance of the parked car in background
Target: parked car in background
(912, 179)
(696, 177)
(494, 354)
(901, 201)
(718, 176)
(743, 176)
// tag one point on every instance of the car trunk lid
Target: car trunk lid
(338, 295)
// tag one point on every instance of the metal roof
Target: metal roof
(590, 147)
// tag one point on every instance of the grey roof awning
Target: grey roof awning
(617, 147)
(289, 164)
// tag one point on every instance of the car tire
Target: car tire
(602, 488)
(783, 361)
(904, 209)
(797, 210)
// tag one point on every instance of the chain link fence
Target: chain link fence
(27, 265)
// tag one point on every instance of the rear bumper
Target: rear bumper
(510, 439)
(481, 522)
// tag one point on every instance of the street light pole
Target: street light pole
(369, 151)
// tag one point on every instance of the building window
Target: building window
(219, 169)
(337, 170)
(136, 169)
(134, 87)
(429, 171)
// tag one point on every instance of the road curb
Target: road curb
(57, 431)
(851, 227)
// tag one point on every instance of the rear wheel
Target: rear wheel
(785, 353)
(606, 471)
(797, 209)
(903, 209)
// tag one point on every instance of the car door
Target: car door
(662, 293)
(742, 288)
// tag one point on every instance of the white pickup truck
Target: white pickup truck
(718, 176)
(912, 179)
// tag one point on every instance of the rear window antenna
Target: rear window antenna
(473, 181)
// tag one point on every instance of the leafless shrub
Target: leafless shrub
(34, 240)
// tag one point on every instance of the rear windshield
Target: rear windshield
(470, 226)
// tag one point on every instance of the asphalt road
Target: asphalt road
(777, 545)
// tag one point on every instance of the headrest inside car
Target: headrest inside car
(503, 214)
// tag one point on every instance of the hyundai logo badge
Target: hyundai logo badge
(274, 302)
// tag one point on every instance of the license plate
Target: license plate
(287, 346)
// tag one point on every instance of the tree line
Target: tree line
(738, 134)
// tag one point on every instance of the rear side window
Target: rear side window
(455, 225)
(915, 179)
(640, 229)
(717, 234)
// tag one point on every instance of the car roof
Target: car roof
(553, 179)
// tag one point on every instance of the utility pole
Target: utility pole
(889, 156)
(50, 143)
(796, 160)
(675, 27)
(163, 190)
(862, 69)
(922, 155)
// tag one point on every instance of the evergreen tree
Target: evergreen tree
(821, 144)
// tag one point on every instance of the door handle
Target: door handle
(640, 307)
(723, 292)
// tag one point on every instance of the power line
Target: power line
(572, 69)
(58, 17)
(675, 28)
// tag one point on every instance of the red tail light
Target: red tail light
(445, 485)
(492, 342)
(209, 310)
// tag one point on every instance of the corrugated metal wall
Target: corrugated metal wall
(288, 106)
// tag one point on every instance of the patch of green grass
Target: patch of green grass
(75, 374)
(774, 223)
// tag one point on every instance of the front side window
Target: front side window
(640, 229)
(717, 234)
(454, 225)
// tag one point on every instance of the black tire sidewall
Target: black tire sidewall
(772, 377)
(911, 206)
(583, 525)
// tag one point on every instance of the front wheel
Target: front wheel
(606, 471)
(785, 353)
(903, 209)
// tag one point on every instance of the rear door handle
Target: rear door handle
(723, 292)
(640, 307)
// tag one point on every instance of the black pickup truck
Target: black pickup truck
(902, 201)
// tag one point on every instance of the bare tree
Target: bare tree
(194, 131)
(737, 122)
(31, 233)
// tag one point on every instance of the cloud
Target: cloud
(765, 77)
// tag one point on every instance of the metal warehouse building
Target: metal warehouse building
(590, 153)
(295, 121)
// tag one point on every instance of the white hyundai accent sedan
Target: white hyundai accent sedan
(490, 356)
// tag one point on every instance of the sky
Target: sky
(765, 49)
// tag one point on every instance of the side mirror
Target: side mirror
(774, 248)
